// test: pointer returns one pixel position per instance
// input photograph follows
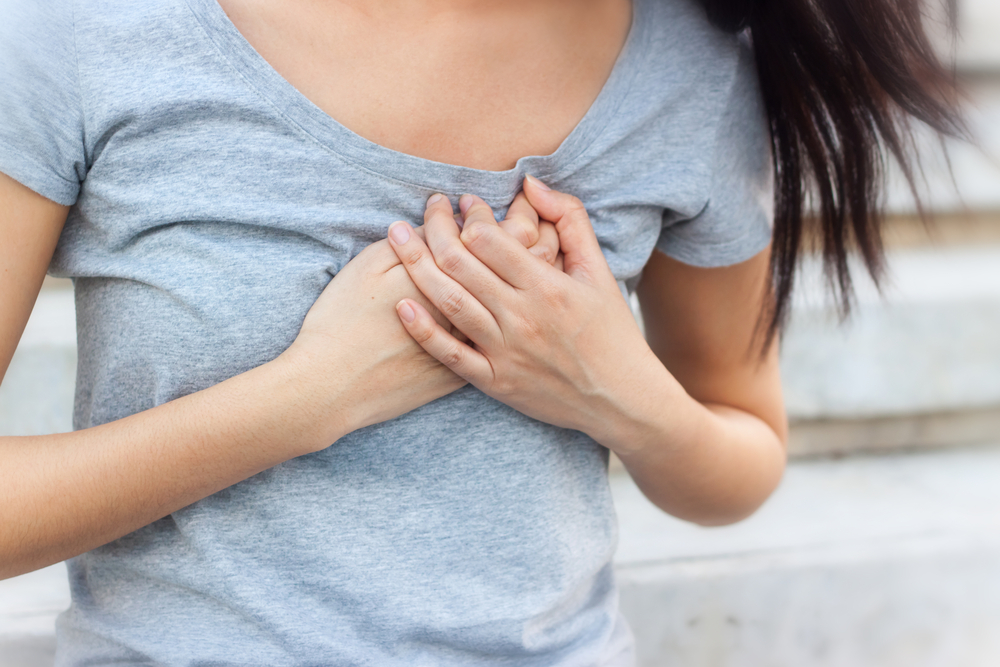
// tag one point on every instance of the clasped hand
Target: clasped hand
(558, 344)
(356, 365)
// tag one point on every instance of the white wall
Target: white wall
(979, 24)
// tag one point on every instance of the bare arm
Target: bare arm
(29, 229)
(700, 324)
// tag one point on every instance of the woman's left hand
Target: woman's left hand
(558, 346)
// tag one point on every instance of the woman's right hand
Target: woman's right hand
(360, 365)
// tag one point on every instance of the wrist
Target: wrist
(648, 411)
(306, 395)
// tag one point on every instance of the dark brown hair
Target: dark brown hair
(842, 81)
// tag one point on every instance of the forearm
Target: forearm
(61, 495)
(707, 463)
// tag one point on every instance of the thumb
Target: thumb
(582, 253)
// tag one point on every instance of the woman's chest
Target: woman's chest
(199, 151)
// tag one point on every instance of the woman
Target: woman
(267, 467)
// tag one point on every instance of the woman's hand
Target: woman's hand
(362, 365)
(564, 348)
(560, 347)
(359, 363)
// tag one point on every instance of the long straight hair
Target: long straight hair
(842, 81)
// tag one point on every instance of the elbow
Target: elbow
(734, 500)
(728, 515)
(733, 510)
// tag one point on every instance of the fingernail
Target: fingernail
(405, 312)
(465, 203)
(400, 232)
(459, 222)
(537, 182)
(435, 199)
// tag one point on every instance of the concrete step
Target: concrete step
(865, 562)
(978, 49)
(915, 366)
(889, 561)
(928, 344)
(975, 165)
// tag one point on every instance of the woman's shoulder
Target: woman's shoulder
(59, 19)
(59, 61)
(685, 42)
(33, 28)
(688, 73)
(41, 134)
(60, 34)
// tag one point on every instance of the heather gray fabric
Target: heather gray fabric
(211, 204)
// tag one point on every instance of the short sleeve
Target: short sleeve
(41, 117)
(736, 221)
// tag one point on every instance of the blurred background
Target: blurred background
(882, 546)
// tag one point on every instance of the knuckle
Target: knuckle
(525, 232)
(472, 233)
(480, 211)
(478, 233)
(452, 356)
(574, 204)
(546, 252)
(553, 296)
(437, 214)
(423, 335)
(449, 260)
(502, 386)
(530, 328)
(451, 302)
(411, 254)
(576, 210)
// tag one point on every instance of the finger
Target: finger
(449, 297)
(462, 360)
(455, 260)
(521, 221)
(547, 247)
(495, 248)
(467, 202)
(576, 234)
(381, 255)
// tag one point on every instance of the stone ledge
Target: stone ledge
(843, 437)
(888, 561)
(929, 343)
(28, 651)
(908, 604)
(978, 49)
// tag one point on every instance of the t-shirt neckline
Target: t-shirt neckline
(364, 154)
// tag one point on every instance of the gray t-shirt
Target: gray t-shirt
(212, 203)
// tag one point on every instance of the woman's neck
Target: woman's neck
(479, 83)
